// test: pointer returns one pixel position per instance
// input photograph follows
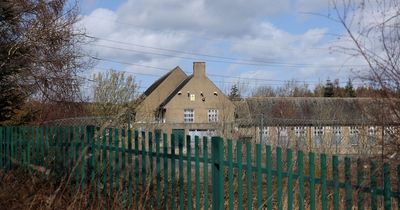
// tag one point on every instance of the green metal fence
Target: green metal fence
(199, 173)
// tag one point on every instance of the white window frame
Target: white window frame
(212, 115)
(283, 136)
(354, 133)
(318, 131)
(188, 115)
(371, 134)
(337, 130)
(265, 132)
(372, 131)
(299, 131)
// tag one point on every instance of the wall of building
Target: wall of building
(366, 144)
(206, 96)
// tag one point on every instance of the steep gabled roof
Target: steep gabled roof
(159, 81)
(177, 89)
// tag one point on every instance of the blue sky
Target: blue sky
(254, 43)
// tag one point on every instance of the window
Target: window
(264, 133)
(299, 131)
(212, 115)
(192, 97)
(318, 133)
(188, 116)
(388, 133)
(283, 136)
(353, 135)
(371, 134)
(336, 135)
(337, 130)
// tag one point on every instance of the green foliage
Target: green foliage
(348, 89)
(328, 89)
(235, 93)
(114, 94)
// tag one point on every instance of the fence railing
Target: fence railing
(183, 172)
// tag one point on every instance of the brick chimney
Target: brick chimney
(199, 69)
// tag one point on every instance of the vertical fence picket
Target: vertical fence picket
(373, 183)
(63, 142)
(165, 168)
(83, 153)
(239, 173)
(143, 143)
(136, 169)
(98, 161)
(48, 148)
(386, 187)
(91, 150)
(259, 177)
(289, 169)
(230, 174)
(151, 169)
(116, 163)
(151, 158)
(189, 172)
(158, 169)
(77, 154)
(124, 173)
(249, 176)
(71, 147)
(217, 151)
(398, 187)
(1, 148)
(205, 172)
(269, 177)
(279, 178)
(335, 175)
(197, 170)
(57, 149)
(111, 167)
(15, 146)
(9, 147)
(324, 188)
(104, 161)
(2, 153)
(311, 162)
(181, 183)
(130, 183)
(173, 171)
(300, 171)
(360, 177)
(347, 183)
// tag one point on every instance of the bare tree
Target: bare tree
(40, 49)
(373, 27)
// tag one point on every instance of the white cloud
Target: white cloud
(235, 28)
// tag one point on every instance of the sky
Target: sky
(253, 43)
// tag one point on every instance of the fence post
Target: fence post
(217, 150)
